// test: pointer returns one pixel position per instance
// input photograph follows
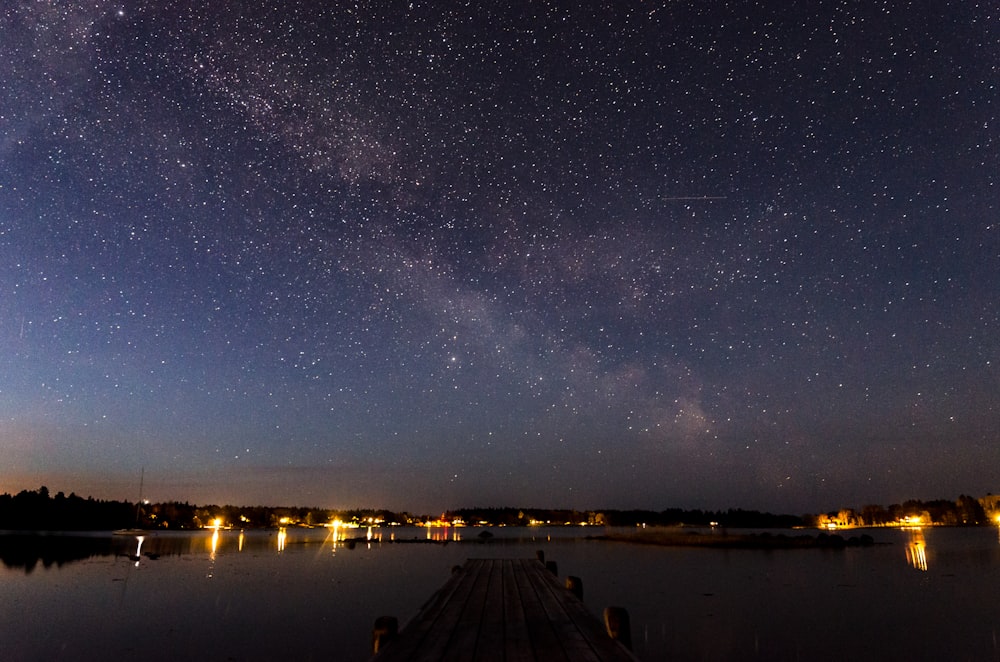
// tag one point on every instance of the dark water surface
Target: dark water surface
(926, 595)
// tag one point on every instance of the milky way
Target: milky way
(395, 254)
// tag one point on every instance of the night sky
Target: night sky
(430, 255)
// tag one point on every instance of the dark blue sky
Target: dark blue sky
(636, 254)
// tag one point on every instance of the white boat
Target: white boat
(129, 532)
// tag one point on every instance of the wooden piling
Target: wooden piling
(619, 628)
(575, 586)
(385, 630)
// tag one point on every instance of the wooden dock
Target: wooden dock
(504, 610)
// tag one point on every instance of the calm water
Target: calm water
(928, 595)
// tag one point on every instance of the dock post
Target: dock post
(385, 630)
(617, 622)
(552, 567)
(575, 586)
(540, 555)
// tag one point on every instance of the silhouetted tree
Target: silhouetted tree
(970, 511)
(874, 515)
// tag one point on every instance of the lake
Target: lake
(930, 594)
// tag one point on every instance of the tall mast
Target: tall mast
(138, 506)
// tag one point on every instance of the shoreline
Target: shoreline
(737, 540)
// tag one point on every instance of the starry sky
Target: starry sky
(426, 255)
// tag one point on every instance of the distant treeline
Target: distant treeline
(35, 511)
(736, 518)
(964, 511)
(38, 510)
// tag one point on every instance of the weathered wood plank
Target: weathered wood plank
(588, 628)
(540, 632)
(517, 643)
(552, 596)
(491, 628)
(468, 618)
(446, 626)
(511, 610)
(413, 636)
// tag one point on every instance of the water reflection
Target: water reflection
(349, 535)
(27, 550)
(335, 534)
(916, 550)
(138, 549)
(686, 604)
(444, 534)
(213, 544)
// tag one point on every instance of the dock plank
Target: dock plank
(583, 635)
(433, 618)
(492, 630)
(574, 646)
(542, 635)
(517, 643)
(463, 621)
(504, 610)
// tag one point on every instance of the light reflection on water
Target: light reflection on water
(138, 549)
(916, 549)
(444, 533)
(308, 594)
